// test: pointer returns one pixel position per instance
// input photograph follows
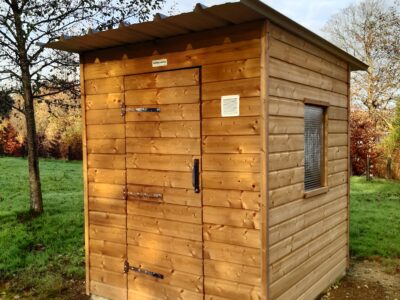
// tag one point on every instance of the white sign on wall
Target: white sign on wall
(230, 106)
(159, 63)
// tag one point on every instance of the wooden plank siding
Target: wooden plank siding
(307, 236)
(249, 233)
(231, 171)
(230, 64)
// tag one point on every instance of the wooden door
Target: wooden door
(164, 214)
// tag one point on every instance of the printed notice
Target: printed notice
(230, 106)
(159, 63)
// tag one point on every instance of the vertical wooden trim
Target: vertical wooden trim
(264, 120)
(85, 177)
(348, 161)
(325, 153)
(125, 187)
(201, 175)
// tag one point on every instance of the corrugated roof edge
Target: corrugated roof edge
(67, 43)
(299, 30)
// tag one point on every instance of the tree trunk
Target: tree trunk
(33, 158)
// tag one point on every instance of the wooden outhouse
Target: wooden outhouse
(216, 160)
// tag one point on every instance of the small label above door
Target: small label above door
(230, 106)
(159, 63)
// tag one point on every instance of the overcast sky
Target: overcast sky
(312, 14)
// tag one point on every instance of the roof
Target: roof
(201, 18)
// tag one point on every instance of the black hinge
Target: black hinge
(125, 109)
(128, 268)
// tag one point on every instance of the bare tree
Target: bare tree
(370, 30)
(30, 70)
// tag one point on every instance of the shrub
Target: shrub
(364, 138)
(9, 144)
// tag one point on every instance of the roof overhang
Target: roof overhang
(200, 19)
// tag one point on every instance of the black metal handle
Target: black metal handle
(195, 176)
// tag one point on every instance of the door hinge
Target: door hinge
(128, 268)
(125, 109)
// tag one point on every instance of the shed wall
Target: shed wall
(308, 237)
(230, 64)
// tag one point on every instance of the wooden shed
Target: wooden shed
(216, 159)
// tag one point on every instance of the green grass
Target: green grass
(375, 218)
(44, 257)
(41, 255)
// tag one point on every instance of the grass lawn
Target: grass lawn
(44, 257)
(375, 218)
(41, 256)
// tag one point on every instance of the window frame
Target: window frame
(324, 188)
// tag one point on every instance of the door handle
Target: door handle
(195, 175)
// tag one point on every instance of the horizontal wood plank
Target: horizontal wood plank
(106, 146)
(116, 206)
(106, 161)
(170, 129)
(110, 176)
(232, 272)
(231, 126)
(231, 144)
(109, 131)
(286, 177)
(219, 289)
(171, 179)
(231, 162)
(286, 142)
(285, 107)
(231, 253)
(108, 291)
(176, 78)
(231, 180)
(173, 278)
(179, 246)
(163, 145)
(110, 234)
(172, 95)
(107, 219)
(104, 190)
(104, 116)
(165, 211)
(239, 69)
(232, 235)
(286, 125)
(163, 259)
(165, 227)
(286, 160)
(168, 112)
(243, 87)
(104, 101)
(232, 199)
(232, 217)
(296, 91)
(160, 162)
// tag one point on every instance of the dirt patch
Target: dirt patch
(72, 289)
(366, 280)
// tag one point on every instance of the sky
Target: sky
(312, 14)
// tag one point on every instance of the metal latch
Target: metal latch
(142, 195)
(128, 268)
(145, 195)
(125, 109)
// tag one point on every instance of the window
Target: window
(314, 147)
